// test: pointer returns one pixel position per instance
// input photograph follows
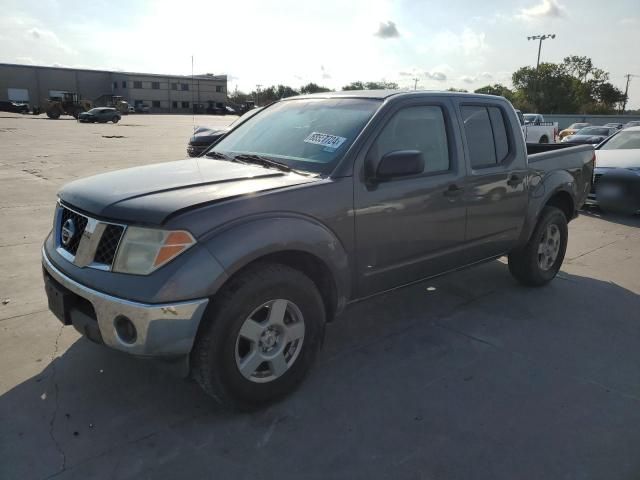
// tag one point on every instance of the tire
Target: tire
(544, 139)
(115, 119)
(53, 114)
(527, 265)
(220, 349)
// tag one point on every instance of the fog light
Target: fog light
(125, 329)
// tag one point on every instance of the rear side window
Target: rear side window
(486, 132)
(416, 128)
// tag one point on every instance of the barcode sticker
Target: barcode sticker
(331, 142)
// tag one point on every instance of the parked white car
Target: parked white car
(536, 130)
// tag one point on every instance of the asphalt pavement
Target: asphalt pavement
(468, 376)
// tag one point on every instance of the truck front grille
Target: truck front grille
(108, 245)
(76, 224)
(86, 241)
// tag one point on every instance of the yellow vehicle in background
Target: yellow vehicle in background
(572, 129)
(114, 101)
(69, 103)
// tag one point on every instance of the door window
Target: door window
(486, 134)
(419, 128)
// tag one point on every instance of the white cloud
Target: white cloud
(544, 10)
(632, 21)
(438, 76)
(387, 30)
(467, 42)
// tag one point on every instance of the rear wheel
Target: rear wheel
(53, 114)
(538, 262)
(544, 139)
(260, 338)
(115, 119)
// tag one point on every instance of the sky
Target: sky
(453, 43)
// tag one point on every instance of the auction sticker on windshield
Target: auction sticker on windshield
(332, 142)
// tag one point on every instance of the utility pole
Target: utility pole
(626, 90)
(540, 38)
(258, 94)
(415, 83)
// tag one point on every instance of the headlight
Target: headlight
(143, 250)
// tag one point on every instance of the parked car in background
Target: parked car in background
(572, 129)
(230, 267)
(132, 109)
(616, 125)
(590, 135)
(536, 130)
(616, 185)
(633, 123)
(142, 108)
(204, 137)
(100, 115)
(13, 107)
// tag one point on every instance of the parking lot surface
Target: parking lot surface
(468, 376)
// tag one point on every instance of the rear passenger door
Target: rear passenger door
(495, 193)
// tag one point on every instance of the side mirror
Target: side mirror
(400, 163)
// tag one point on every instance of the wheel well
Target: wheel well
(312, 267)
(564, 202)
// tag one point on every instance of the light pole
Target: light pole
(540, 38)
(258, 94)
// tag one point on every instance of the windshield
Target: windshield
(305, 134)
(578, 126)
(530, 117)
(623, 141)
(594, 131)
(95, 110)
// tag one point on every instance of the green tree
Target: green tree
(496, 89)
(313, 88)
(452, 89)
(371, 86)
(573, 86)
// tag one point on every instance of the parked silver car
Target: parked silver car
(100, 115)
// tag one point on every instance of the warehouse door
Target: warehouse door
(20, 95)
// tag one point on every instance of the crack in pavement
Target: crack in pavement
(55, 412)
(570, 260)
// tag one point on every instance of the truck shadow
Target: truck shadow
(388, 364)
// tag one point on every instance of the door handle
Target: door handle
(453, 190)
(514, 180)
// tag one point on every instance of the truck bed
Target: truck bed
(578, 161)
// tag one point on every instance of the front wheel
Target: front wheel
(544, 139)
(538, 262)
(260, 337)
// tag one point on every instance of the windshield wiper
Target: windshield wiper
(218, 155)
(265, 162)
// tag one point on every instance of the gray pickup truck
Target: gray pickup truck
(231, 264)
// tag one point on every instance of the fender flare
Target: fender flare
(558, 181)
(242, 242)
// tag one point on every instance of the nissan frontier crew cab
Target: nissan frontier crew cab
(231, 264)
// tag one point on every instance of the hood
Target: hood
(629, 158)
(151, 193)
(207, 136)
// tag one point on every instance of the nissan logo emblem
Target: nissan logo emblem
(68, 232)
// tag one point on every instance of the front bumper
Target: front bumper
(164, 330)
